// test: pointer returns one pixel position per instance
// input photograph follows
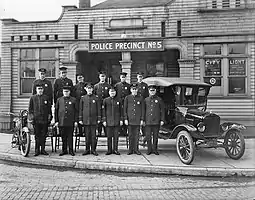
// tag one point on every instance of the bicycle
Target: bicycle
(21, 134)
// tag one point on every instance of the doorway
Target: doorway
(92, 63)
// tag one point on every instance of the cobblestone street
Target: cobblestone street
(29, 182)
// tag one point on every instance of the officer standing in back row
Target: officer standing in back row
(61, 82)
(101, 89)
(122, 90)
(47, 86)
(142, 86)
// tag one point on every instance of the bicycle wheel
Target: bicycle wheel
(25, 143)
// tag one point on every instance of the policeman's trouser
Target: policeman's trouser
(40, 131)
(133, 133)
(152, 130)
(100, 128)
(90, 132)
(67, 138)
(112, 134)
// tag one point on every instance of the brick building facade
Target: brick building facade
(210, 40)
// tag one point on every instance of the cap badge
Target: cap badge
(46, 85)
(125, 88)
(45, 102)
(70, 102)
(156, 101)
(94, 101)
(138, 102)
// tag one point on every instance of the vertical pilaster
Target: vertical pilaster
(126, 63)
(186, 68)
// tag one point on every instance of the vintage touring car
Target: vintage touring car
(190, 124)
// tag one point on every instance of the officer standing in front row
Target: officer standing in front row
(123, 90)
(154, 118)
(61, 82)
(112, 119)
(66, 117)
(47, 86)
(39, 113)
(90, 117)
(134, 116)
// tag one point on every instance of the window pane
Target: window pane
(47, 54)
(27, 54)
(212, 67)
(237, 85)
(26, 85)
(155, 69)
(49, 66)
(237, 66)
(126, 22)
(212, 49)
(236, 48)
(27, 69)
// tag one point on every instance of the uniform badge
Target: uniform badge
(138, 102)
(106, 88)
(45, 102)
(125, 88)
(156, 101)
(118, 103)
(70, 102)
(66, 83)
(46, 85)
(94, 101)
(143, 87)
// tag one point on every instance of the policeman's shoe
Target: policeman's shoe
(156, 153)
(43, 152)
(130, 152)
(87, 152)
(108, 153)
(116, 152)
(148, 153)
(62, 153)
(71, 153)
(138, 152)
(94, 153)
(37, 153)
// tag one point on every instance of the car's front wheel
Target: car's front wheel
(234, 144)
(185, 147)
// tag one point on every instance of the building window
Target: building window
(21, 38)
(126, 23)
(163, 29)
(155, 69)
(56, 37)
(38, 37)
(225, 68)
(12, 38)
(47, 37)
(214, 3)
(225, 3)
(91, 31)
(33, 59)
(29, 37)
(179, 28)
(76, 31)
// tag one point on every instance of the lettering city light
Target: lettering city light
(155, 45)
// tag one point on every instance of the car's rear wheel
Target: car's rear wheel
(234, 144)
(25, 143)
(185, 147)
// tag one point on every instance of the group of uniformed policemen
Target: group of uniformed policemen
(122, 109)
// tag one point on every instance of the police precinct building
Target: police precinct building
(209, 40)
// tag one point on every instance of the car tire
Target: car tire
(185, 147)
(234, 144)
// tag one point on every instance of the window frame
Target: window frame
(37, 61)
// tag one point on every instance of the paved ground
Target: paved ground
(207, 162)
(30, 182)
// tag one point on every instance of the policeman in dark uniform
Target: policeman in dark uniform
(47, 86)
(39, 113)
(142, 86)
(122, 89)
(61, 82)
(101, 89)
(134, 116)
(90, 116)
(112, 119)
(154, 118)
(79, 91)
(66, 117)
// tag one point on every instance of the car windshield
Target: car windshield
(190, 95)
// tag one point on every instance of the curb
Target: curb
(131, 168)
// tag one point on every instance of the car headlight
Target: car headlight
(201, 127)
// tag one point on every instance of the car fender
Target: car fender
(188, 127)
(227, 126)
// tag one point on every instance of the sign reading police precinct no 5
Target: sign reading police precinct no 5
(110, 46)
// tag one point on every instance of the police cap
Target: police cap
(134, 86)
(63, 68)
(89, 85)
(42, 70)
(123, 73)
(67, 87)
